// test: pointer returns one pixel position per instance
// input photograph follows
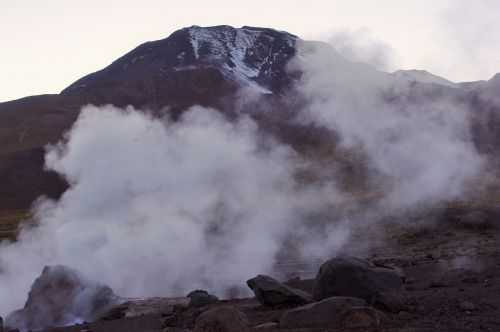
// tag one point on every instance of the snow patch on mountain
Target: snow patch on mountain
(235, 50)
(227, 45)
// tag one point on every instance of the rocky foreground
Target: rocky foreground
(430, 278)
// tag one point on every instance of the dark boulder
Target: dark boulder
(306, 285)
(222, 319)
(349, 276)
(200, 298)
(323, 314)
(271, 292)
(145, 306)
(62, 296)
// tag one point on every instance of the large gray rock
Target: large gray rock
(61, 296)
(271, 292)
(200, 298)
(222, 319)
(326, 313)
(348, 276)
(148, 306)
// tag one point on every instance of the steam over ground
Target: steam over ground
(157, 207)
(422, 147)
(161, 208)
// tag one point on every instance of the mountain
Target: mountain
(423, 76)
(193, 65)
(204, 66)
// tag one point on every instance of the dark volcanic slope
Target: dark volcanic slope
(26, 126)
(205, 66)
(194, 65)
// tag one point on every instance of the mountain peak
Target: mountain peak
(247, 56)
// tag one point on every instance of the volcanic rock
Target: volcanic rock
(305, 285)
(61, 296)
(390, 301)
(361, 317)
(223, 319)
(349, 276)
(200, 298)
(326, 313)
(467, 306)
(267, 326)
(148, 306)
(270, 292)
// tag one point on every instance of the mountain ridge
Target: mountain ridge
(197, 66)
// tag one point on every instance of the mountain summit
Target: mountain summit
(193, 64)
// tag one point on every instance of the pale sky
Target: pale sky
(48, 44)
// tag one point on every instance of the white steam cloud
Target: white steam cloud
(160, 208)
(361, 46)
(420, 146)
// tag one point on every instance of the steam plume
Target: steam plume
(420, 145)
(159, 208)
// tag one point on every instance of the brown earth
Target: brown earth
(452, 284)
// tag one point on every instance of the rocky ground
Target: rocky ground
(451, 283)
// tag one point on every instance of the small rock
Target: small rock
(410, 281)
(470, 280)
(326, 313)
(420, 309)
(405, 315)
(438, 284)
(267, 326)
(467, 306)
(222, 319)
(270, 292)
(390, 301)
(200, 298)
(361, 317)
